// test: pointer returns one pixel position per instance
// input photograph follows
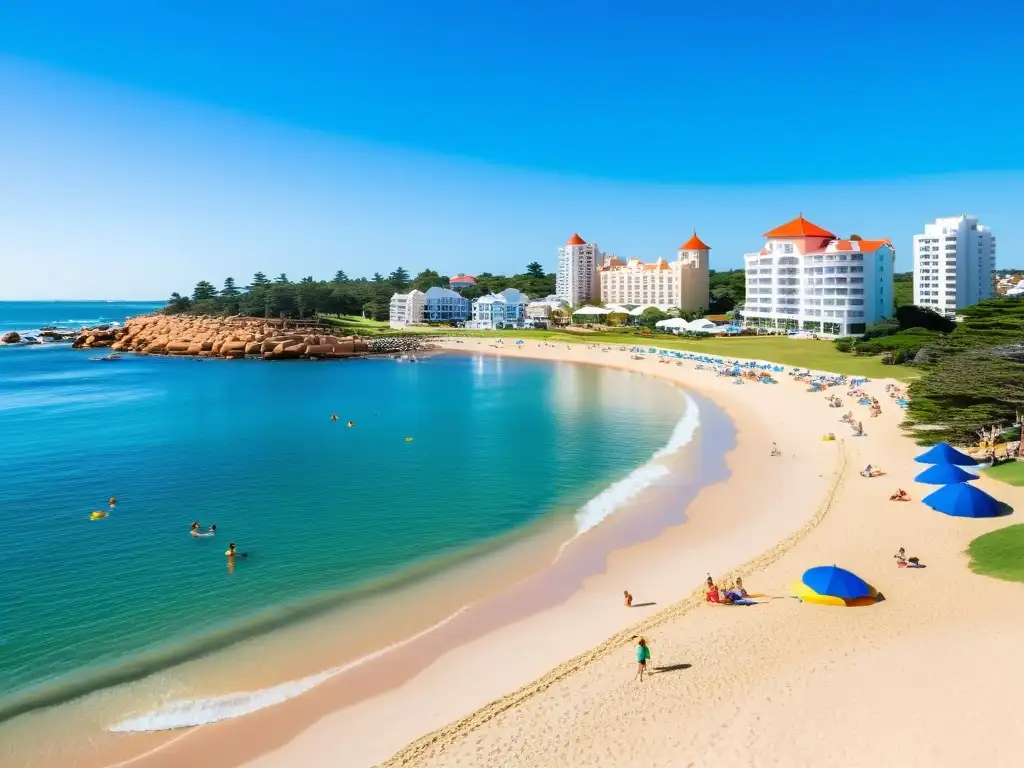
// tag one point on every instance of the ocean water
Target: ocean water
(321, 508)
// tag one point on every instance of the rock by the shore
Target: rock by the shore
(11, 337)
(228, 337)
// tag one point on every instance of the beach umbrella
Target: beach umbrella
(962, 500)
(944, 474)
(834, 581)
(944, 453)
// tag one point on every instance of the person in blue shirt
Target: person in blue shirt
(643, 655)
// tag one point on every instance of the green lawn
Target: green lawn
(802, 353)
(1012, 472)
(999, 554)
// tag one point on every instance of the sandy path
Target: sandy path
(926, 677)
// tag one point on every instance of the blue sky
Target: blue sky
(147, 145)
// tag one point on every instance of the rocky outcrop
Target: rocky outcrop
(226, 337)
(11, 338)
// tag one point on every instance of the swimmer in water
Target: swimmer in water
(195, 528)
(232, 552)
(213, 528)
(112, 503)
(334, 417)
(351, 423)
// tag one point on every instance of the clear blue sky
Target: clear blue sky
(146, 145)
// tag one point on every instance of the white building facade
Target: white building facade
(683, 284)
(576, 278)
(953, 264)
(805, 278)
(407, 308)
(539, 310)
(443, 305)
(499, 310)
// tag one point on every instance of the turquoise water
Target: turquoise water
(320, 507)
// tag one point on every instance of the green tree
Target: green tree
(340, 276)
(651, 316)
(377, 277)
(281, 279)
(203, 291)
(178, 304)
(535, 270)
(427, 279)
(399, 279)
(229, 288)
(259, 280)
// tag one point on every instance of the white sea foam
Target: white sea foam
(620, 493)
(188, 713)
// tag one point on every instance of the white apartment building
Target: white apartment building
(805, 278)
(499, 310)
(576, 279)
(407, 308)
(953, 264)
(541, 309)
(444, 305)
(683, 284)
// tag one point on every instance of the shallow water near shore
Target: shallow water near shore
(329, 514)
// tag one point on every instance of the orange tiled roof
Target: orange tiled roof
(864, 246)
(798, 227)
(576, 240)
(694, 244)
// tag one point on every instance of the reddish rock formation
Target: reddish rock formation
(229, 337)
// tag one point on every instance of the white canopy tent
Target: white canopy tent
(617, 308)
(591, 311)
(672, 324)
(641, 309)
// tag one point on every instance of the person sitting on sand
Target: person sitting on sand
(627, 599)
(906, 562)
(714, 594)
(775, 450)
(738, 587)
(900, 495)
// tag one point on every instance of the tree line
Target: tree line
(342, 295)
(973, 383)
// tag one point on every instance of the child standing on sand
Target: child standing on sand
(643, 655)
(628, 599)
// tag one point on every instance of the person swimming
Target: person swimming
(351, 424)
(334, 417)
(195, 528)
(232, 552)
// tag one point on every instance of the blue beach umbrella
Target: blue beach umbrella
(944, 474)
(836, 582)
(962, 500)
(944, 453)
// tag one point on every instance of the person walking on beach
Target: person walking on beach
(643, 655)
(628, 599)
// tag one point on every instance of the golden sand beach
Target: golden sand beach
(925, 677)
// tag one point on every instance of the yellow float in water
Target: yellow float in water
(408, 439)
(808, 595)
(97, 515)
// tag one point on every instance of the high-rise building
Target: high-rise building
(805, 278)
(576, 280)
(683, 284)
(953, 264)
